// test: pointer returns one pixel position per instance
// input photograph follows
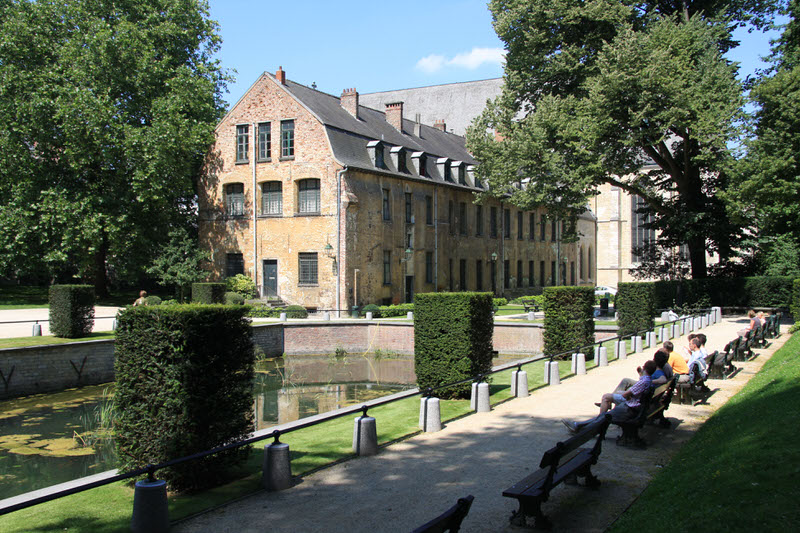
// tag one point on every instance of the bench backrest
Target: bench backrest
(450, 520)
(552, 457)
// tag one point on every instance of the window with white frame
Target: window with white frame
(287, 138)
(264, 141)
(308, 196)
(234, 199)
(272, 198)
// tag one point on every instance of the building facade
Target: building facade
(327, 203)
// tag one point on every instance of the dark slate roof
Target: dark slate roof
(349, 136)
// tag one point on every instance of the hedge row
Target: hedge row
(636, 307)
(71, 310)
(568, 318)
(264, 311)
(184, 378)
(452, 339)
(762, 291)
(795, 309)
(208, 293)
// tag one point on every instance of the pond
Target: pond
(52, 438)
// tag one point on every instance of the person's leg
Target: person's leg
(625, 384)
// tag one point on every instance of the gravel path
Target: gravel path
(19, 322)
(410, 482)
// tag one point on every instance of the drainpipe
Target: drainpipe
(339, 176)
(435, 238)
(255, 211)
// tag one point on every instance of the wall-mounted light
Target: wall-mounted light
(493, 257)
(328, 250)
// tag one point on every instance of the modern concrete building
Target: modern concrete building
(328, 203)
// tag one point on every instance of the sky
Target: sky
(376, 46)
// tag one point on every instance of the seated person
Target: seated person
(663, 371)
(626, 409)
(675, 361)
(697, 360)
(754, 323)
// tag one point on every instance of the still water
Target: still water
(51, 438)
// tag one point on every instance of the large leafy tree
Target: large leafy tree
(106, 110)
(766, 194)
(634, 94)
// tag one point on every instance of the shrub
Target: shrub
(184, 385)
(241, 284)
(263, 311)
(295, 311)
(234, 298)
(795, 310)
(761, 291)
(636, 307)
(537, 299)
(568, 318)
(208, 293)
(388, 311)
(171, 301)
(152, 300)
(71, 310)
(499, 302)
(452, 339)
(374, 309)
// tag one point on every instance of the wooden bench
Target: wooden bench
(564, 462)
(722, 365)
(449, 520)
(653, 404)
(530, 306)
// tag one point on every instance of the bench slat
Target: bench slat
(532, 484)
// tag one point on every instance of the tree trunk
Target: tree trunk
(697, 257)
(100, 272)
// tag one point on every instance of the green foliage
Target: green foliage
(208, 293)
(234, 298)
(152, 300)
(263, 311)
(71, 310)
(108, 111)
(452, 339)
(296, 311)
(764, 291)
(795, 308)
(374, 309)
(591, 87)
(184, 385)
(241, 284)
(388, 311)
(636, 306)
(499, 302)
(568, 318)
(179, 262)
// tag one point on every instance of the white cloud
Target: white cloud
(431, 63)
(469, 60)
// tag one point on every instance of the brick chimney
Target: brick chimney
(349, 101)
(440, 125)
(394, 115)
(281, 76)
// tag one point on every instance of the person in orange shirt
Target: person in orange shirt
(677, 362)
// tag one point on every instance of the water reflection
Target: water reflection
(52, 438)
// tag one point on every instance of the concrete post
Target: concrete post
(555, 378)
(482, 403)
(676, 330)
(580, 365)
(114, 325)
(150, 511)
(473, 397)
(616, 349)
(717, 311)
(574, 364)
(603, 357)
(410, 315)
(663, 334)
(531, 315)
(369, 315)
(430, 417)
(276, 469)
(622, 350)
(326, 316)
(283, 317)
(365, 436)
(547, 372)
(520, 378)
(37, 330)
(637, 344)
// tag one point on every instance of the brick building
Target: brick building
(327, 203)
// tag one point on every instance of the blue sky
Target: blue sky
(375, 46)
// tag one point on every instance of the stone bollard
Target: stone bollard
(482, 398)
(410, 315)
(580, 364)
(573, 367)
(150, 510)
(37, 330)
(653, 341)
(276, 468)
(365, 435)
(662, 334)
(622, 350)
(717, 312)
(369, 315)
(114, 325)
(326, 316)
(473, 397)
(676, 330)
(555, 377)
(637, 344)
(616, 349)
(603, 357)
(531, 315)
(430, 417)
(665, 316)
(547, 372)
(519, 384)
(283, 317)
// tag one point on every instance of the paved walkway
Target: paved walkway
(19, 322)
(409, 483)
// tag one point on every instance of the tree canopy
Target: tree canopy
(106, 111)
(632, 94)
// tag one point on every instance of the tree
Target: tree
(634, 94)
(180, 262)
(107, 110)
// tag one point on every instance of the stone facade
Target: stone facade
(401, 229)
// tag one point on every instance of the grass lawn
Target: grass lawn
(108, 508)
(739, 471)
(19, 342)
(30, 297)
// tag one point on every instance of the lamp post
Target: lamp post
(493, 260)
(408, 255)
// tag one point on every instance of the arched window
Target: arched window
(308, 196)
(271, 198)
(234, 199)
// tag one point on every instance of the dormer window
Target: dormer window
(399, 159)
(470, 169)
(444, 169)
(375, 149)
(420, 161)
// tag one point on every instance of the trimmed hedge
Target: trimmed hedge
(388, 311)
(374, 309)
(636, 307)
(152, 300)
(208, 293)
(295, 311)
(234, 298)
(71, 310)
(452, 339)
(795, 308)
(762, 291)
(568, 318)
(184, 378)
